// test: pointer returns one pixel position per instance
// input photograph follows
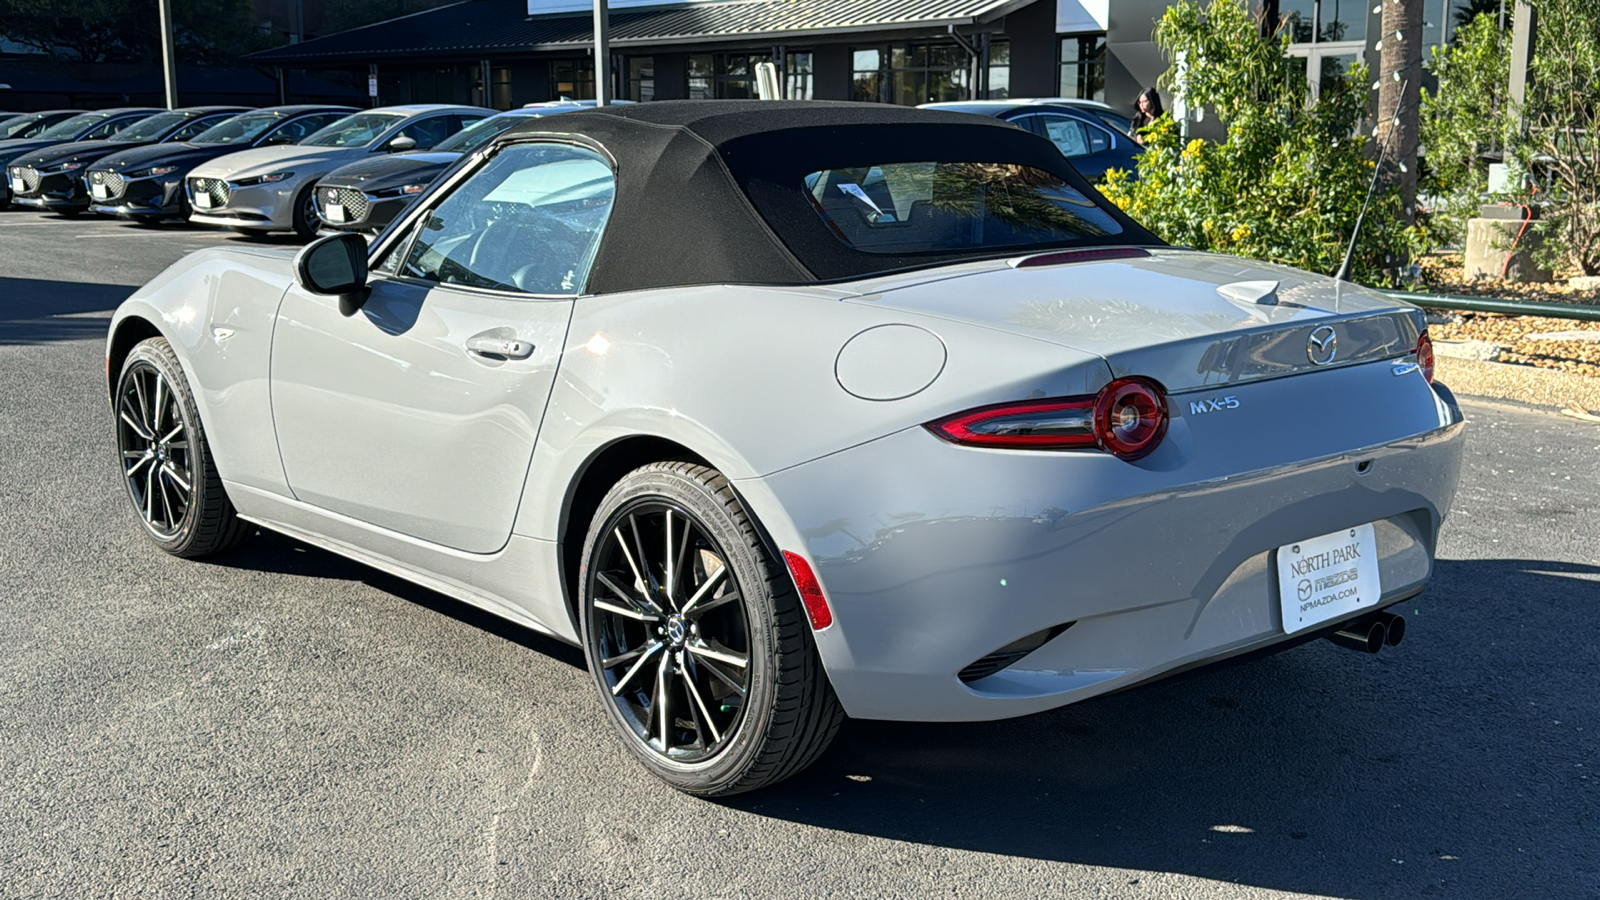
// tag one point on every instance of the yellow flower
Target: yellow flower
(1193, 149)
(1240, 233)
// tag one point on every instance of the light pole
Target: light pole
(169, 60)
(602, 53)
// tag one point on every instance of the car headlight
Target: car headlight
(64, 167)
(158, 170)
(412, 189)
(264, 179)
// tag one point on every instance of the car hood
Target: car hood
(81, 151)
(179, 154)
(390, 171)
(12, 150)
(266, 160)
(1184, 318)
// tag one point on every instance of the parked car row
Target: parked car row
(305, 169)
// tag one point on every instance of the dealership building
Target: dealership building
(505, 53)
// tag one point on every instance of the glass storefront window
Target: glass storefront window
(866, 68)
(700, 77)
(1083, 67)
(1343, 20)
(642, 78)
(572, 79)
(1298, 17)
(999, 71)
(798, 78)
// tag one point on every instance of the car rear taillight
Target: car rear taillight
(1424, 354)
(1128, 418)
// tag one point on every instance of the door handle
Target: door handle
(505, 348)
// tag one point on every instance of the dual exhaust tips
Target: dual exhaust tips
(1369, 634)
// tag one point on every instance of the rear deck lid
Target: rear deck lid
(1186, 319)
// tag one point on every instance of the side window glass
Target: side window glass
(101, 132)
(428, 131)
(1068, 135)
(529, 220)
(1099, 139)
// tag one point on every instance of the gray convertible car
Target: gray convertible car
(787, 411)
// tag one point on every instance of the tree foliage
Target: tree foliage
(1288, 181)
(1464, 118)
(129, 31)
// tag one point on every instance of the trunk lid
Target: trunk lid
(1187, 319)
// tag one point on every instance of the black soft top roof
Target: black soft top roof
(713, 192)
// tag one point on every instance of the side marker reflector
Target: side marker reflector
(810, 591)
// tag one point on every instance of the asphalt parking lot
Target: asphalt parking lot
(283, 723)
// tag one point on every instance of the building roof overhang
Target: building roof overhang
(488, 28)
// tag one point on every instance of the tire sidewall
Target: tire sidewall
(749, 567)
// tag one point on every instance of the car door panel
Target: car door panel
(386, 416)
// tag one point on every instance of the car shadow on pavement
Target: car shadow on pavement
(268, 551)
(1431, 769)
(33, 311)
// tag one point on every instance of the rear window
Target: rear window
(920, 207)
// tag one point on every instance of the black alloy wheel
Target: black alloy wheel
(166, 462)
(695, 638)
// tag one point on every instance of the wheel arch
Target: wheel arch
(127, 335)
(589, 485)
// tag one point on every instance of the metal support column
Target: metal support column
(1524, 30)
(602, 53)
(169, 59)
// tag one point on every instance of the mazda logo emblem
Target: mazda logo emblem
(1323, 346)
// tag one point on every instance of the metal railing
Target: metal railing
(1577, 312)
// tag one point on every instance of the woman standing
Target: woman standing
(1149, 104)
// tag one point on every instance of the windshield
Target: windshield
(72, 127)
(150, 129)
(19, 126)
(353, 131)
(239, 129)
(478, 134)
(901, 208)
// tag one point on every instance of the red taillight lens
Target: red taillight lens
(1128, 418)
(805, 581)
(1036, 425)
(1424, 354)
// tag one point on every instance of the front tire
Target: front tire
(306, 219)
(166, 462)
(695, 638)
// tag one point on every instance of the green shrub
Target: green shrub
(1287, 182)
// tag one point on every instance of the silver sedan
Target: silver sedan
(788, 411)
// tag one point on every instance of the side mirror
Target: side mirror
(335, 266)
(402, 143)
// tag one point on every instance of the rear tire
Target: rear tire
(716, 695)
(167, 469)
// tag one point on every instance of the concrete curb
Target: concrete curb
(1524, 384)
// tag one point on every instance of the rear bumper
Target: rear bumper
(933, 556)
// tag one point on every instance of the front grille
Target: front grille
(30, 177)
(116, 186)
(1010, 653)
(355, 203)
(216, 187)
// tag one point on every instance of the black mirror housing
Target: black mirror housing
(335, 266)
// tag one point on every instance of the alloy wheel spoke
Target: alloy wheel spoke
(700, 594)
(663, 693)
(142, 407)
(140, 460)
(149, 494)
(612, 662)
(624, 595)
(166, 503)
(138, 428)
(706, 651)
(158, 411)
(704, 714)
(667, 559)
(177, 429)
(177, 480)
(622, 682)
(638, 576)
(722, 676)
(626, 612)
